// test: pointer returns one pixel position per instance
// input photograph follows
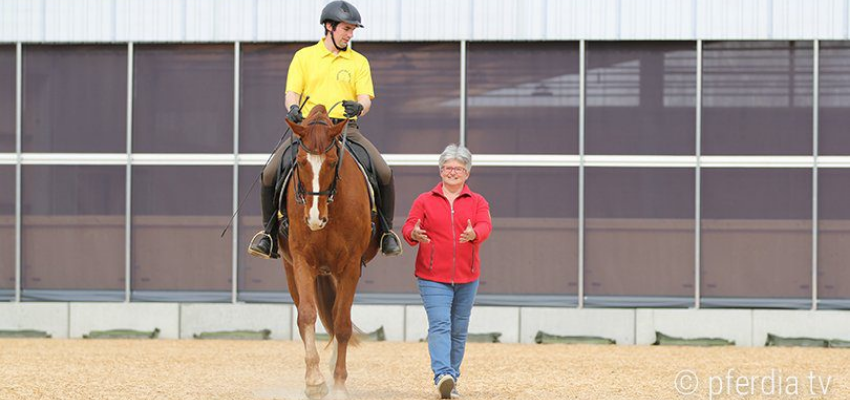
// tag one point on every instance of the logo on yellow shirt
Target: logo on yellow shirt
(343, 76)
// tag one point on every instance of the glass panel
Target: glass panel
(531, 231)
(91, 78)
(183, 100)
(417, 96)
(641, 98)
(534, 245)
(7, 98)
(523, 98)
(639, 232)
(263, 82)
(395, 274)
(757, 98)
(756, 233)
(73, 227)
(178, 215)
(834, 101)
(833, 234)
(7, 227)
(256, 275)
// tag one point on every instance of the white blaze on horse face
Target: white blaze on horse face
(313, 220)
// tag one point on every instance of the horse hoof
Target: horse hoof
(316, 392)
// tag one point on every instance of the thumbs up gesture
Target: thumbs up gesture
(468, 234)
(418, 233)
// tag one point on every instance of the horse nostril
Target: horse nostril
(324, 220)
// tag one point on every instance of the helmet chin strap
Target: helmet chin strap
(334, 41)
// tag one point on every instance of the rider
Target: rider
(325, 73)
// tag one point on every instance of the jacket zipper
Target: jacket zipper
(454, 244)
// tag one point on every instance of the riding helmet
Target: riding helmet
(341, 11)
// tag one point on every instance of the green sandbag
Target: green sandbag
(773, 340)
(264, 334)
(377, 336)
(548, 338)
(122, 334)
(26, 333)
(490, 337)
(839, 344)
(664, 340)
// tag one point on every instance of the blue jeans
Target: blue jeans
(448, 307)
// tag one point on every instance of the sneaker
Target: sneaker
(445, 386)
(455, 394)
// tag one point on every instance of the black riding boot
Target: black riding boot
(390, 243)
(264, 243)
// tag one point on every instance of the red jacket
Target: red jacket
(445, 258)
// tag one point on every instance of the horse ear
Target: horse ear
(337, 129)
(297, 129)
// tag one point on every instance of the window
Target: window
(178, 215)
(757, 98)
(523, 98)
(7, 98)
(834, 102)
(7, 232)
(183, 99)
(833, 234)
(639, 232)
(641, 98)
(75, 99)
(417, 96)
(73, 231)
(756, 233)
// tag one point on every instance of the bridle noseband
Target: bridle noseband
(300, 191)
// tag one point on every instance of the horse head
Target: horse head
(316, 171)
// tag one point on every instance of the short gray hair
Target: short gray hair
(459, 153)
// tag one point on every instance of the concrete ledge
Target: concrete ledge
(197, 318)
(504, 320)
(416, 323)
(690, 323)
(617, 324)
(796, 323)
(368, 318)
(86, 317)
(49, 317)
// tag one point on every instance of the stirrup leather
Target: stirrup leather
(259, 254)
(393, 234)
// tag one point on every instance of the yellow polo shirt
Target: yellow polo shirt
(329, 78)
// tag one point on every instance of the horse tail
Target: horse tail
(326, 297)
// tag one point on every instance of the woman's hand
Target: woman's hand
(468, 234)
(418, 234)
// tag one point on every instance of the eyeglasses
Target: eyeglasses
(453, 169)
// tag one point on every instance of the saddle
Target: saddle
(284, 174)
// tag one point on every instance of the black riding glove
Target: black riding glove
(352, 108)
(294, 114)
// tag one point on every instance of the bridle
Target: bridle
(300, 191)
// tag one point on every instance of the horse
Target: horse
(330, 237)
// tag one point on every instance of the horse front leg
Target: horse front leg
(346, 287)
(305, 282)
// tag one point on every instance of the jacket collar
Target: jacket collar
(438, 190)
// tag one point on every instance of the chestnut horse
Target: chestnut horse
(330, 234)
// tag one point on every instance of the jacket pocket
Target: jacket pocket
(431, 263)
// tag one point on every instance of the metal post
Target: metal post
(463, 92)
(581, 115)
(235, 230)
(128, 189)
(815, 151)
(18, 146)
(698, 184)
